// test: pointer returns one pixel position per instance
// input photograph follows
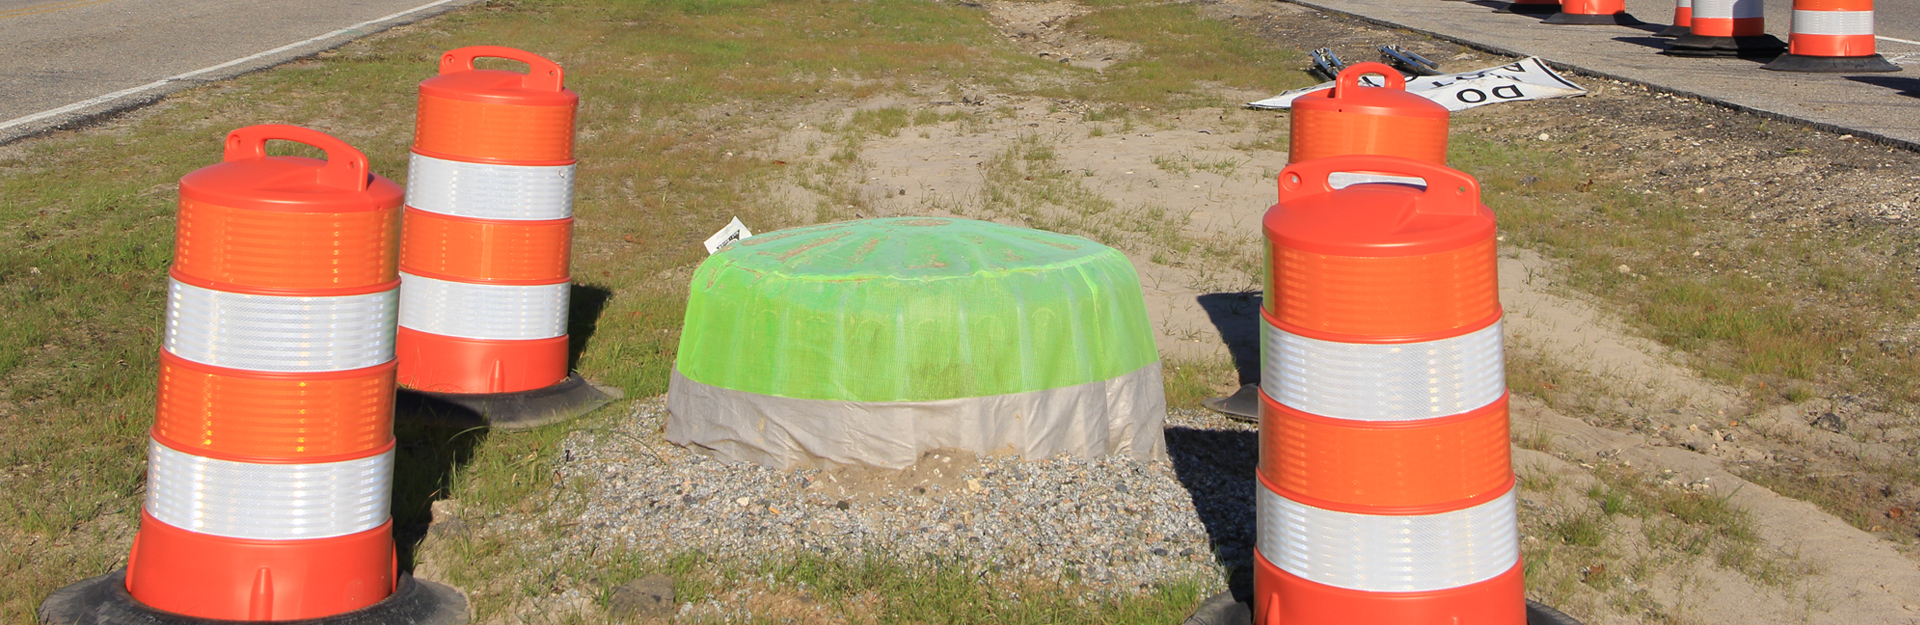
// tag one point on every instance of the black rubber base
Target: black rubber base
(104, 600)
(1617, 19)
(1693, 45)
(1530, 9)
(1224, 609)
(1674, 31)
(569, 398)
(1242, 405)
(1831, 64)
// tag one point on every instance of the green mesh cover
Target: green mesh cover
(913, 309)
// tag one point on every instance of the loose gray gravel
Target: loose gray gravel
(1113, 524)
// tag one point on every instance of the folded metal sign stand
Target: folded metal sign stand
(1526, 79)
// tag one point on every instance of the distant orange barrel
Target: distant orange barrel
(1831, 36)
(1354, 119)
(488, 228)
(496, 116)
(1592, 12)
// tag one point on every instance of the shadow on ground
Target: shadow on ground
(1217, 469)
(426, 456)
(1906, 86)
(1237, 317)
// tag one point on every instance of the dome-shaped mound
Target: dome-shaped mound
(867, 342)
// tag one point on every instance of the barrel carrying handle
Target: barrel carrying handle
(346, 167)
(542, 74)
(1449, 191)
(1350, 77)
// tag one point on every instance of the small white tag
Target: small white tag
(726, 236)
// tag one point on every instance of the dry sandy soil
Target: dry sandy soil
(1209, 175)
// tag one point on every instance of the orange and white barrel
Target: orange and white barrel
(1592, 12)
(1726, 28)
(1831, 36)
(270, 465)
(488, 228)
(1386, 482)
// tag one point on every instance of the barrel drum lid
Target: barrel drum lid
(489, 218)
(270, 463)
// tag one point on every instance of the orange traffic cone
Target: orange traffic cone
(1726, 28)
(1831, 36)
(1386, 487)
(487, 240)
(270, 464)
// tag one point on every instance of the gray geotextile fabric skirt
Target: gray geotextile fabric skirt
(1123, 416)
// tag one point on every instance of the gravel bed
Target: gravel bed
(1111, 523)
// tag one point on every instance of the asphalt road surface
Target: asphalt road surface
(61, 52)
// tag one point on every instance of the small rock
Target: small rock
(1623, 269)
(1545, 137)
(1830, 422)
(649, 597)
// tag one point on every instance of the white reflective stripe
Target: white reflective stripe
(267, 501)
(1833, 22)
(1385, 553)
(1728, 9)
(1683, 4)
(483, 311)
(489, 191)
(1383, 382)
(278, 333)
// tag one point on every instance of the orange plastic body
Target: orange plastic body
(493, 251)
(1725, 27)
(215, 577)
(1830, 45)
(495, 116)
(1280, 598)
(1593, 7)
(446, 364)
(1382, 261)
(286, 250)
(214, 411)
(1683, 16)
(1352, 119)
(1426, 466)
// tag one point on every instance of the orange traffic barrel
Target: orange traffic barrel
(1682, 20)
(1386, 483)
(488, 234)
(271, 459)
(270, 462)
(1726, 28)
(1831, 36)
(1353, 119)
(1592, 12)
